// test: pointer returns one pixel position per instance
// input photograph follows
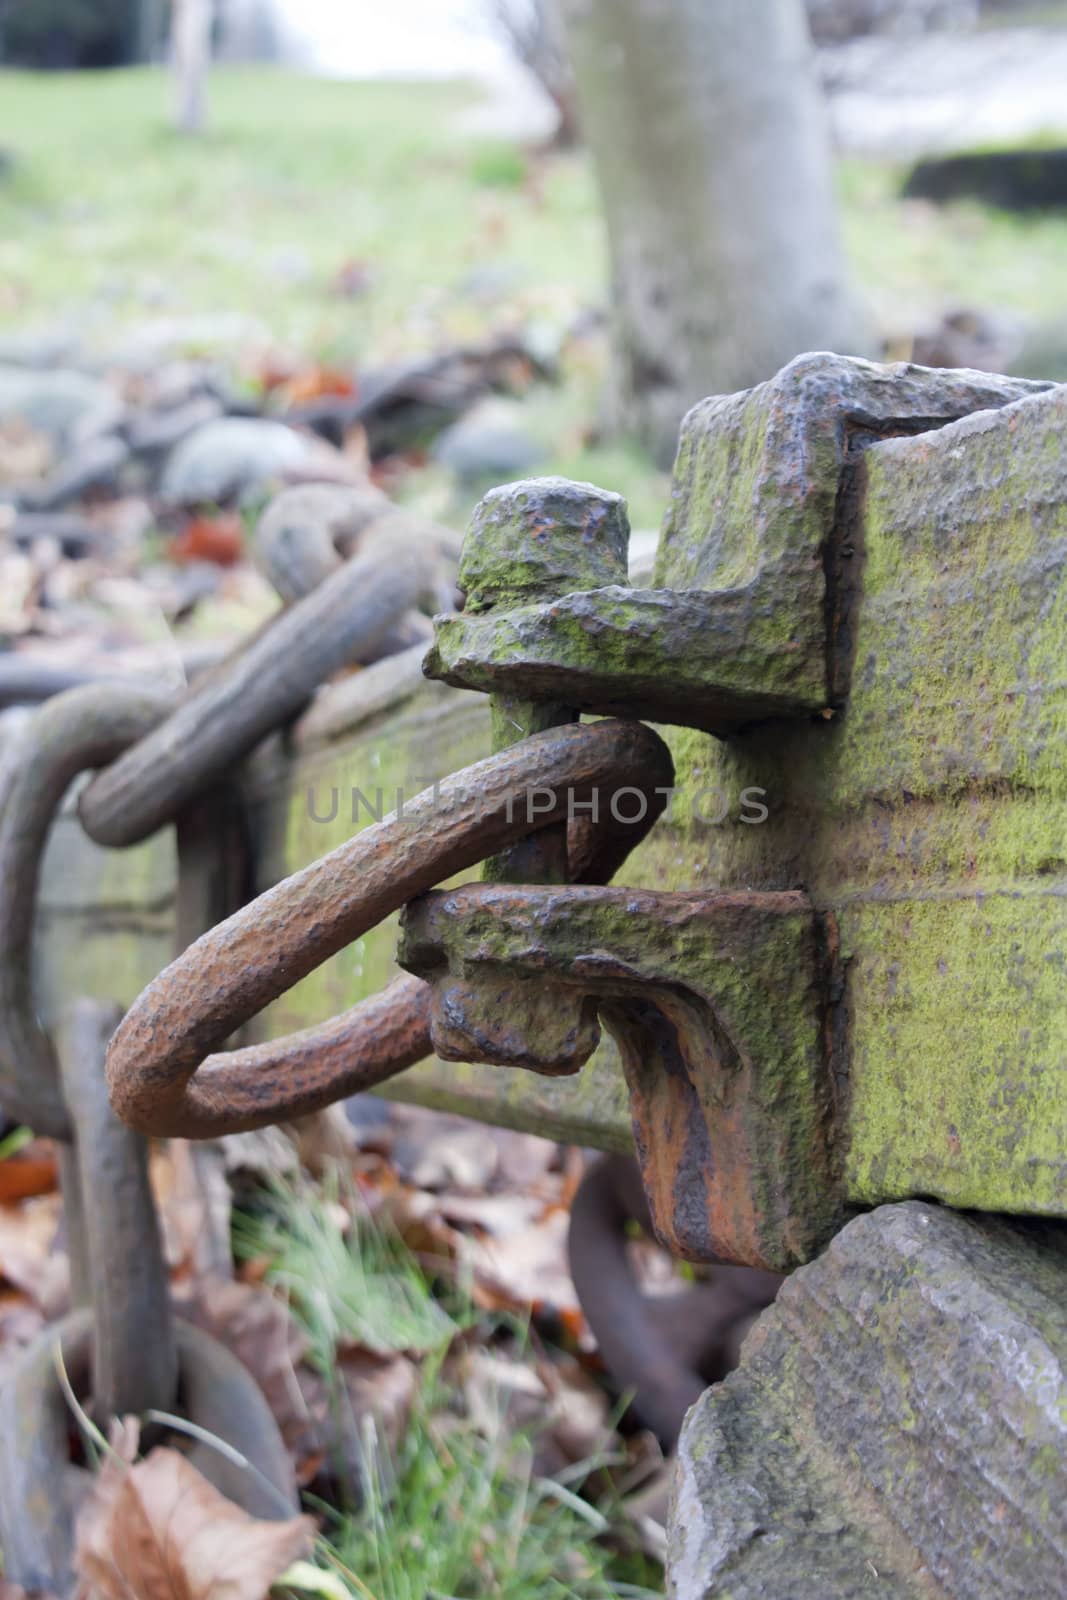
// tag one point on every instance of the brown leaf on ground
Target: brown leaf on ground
(30, 1171)
(500, 1391)
(160, 1531)
(415, 1218)
(434, 1150)
(313, 383)
(562, 1409)
(25, 453)
(260, 1330)
(578, 1410)
(193, 1200)
(501, 1216)
(525, 1161)
(382, 1387)
(452, 1157)
(218, 539)
(322, 1140)
(527, 1268)
(28, 1258)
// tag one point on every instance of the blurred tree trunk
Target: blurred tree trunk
(713, 156)
(150, 29)
(533, 31)
(191, 56)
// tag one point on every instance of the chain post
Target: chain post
(536, 541)
(135, 1361)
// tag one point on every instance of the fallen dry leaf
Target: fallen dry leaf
(193, 1202)
(561, 1407)
(160, 1531)
(415, 1218)
(321, 1140)
(578, 1412)
(30, 1171)
(219, 539)
(452, 1157)
(527, 1268)
(25, 453)
(28, 1258)
(382, 1387)
(260, 1330)
(314, 383)
(500, 1216)
(525, 1161)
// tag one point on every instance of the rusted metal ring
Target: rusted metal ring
(162, 1076)
(80, 729)
(36, 1506)
(264, 684)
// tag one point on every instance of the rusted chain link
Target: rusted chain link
(27, 680)
(308, 530)
(124, 1346)
(225, 715)
(128, 1348)
(79, 730)
(159, 1079)
(662, 1350)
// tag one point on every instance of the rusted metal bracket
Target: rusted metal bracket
(720, 1004)
(749, 617)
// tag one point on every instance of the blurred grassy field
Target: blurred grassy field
(107, 219)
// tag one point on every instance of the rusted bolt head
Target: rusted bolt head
(540, 539)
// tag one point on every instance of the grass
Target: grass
(109, 219)
(110, 210)
(345, 1285)
(915, 260)
(459, 1512)
(462, 1513)
(1041, 14)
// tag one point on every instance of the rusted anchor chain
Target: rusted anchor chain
(27, 680)
(353, 700)
(308, 530)
(24, 681)
(161, 1073)
(664, 1350)
(265, 683)
(123, 1348)
(126, 1350)
(81, 729)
